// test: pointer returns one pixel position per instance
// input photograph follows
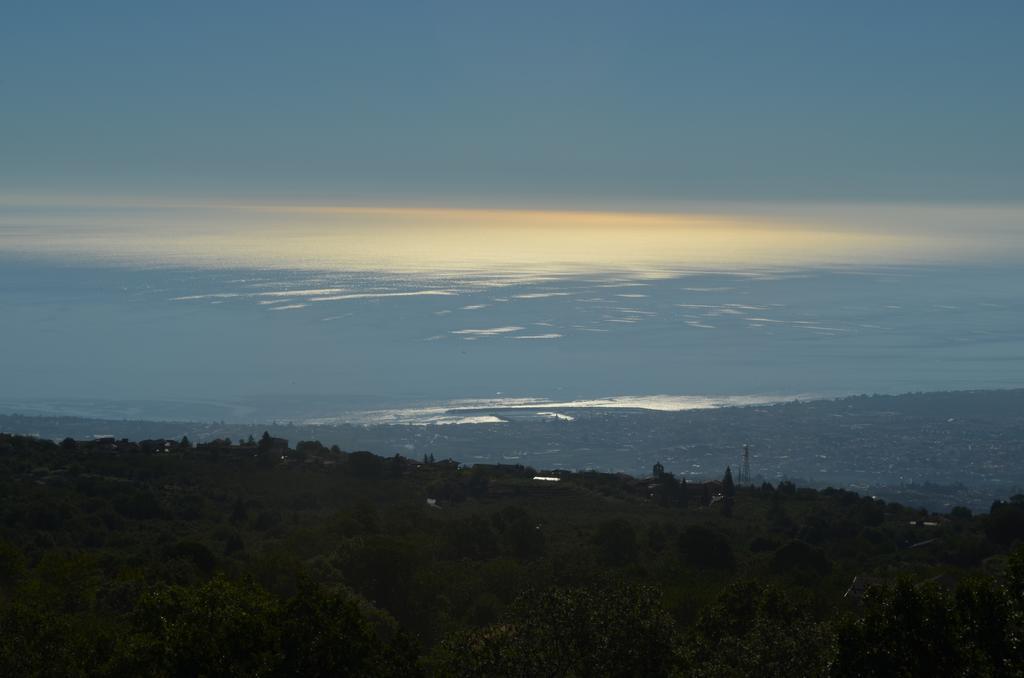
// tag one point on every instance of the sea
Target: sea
(437, 316)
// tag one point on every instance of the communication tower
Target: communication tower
(745, 468)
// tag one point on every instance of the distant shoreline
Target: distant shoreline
(528, 406)
(937, 449)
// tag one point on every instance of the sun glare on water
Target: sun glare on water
(436, 240)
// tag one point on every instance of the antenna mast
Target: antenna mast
(745, 468)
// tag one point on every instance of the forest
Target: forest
(258, 558)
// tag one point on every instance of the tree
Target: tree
(12, 565)
(611, 630)
(989, 626)
(909, 630)
(705, 549)
(325, 633)
(728, 487)
(755, 630)
(226, 628)
(705, 495)
(960, 513)
(233, 544)
(669, 491)
(1005, 522)
(520, 533)
(729, 490)
(193, 552)
(138, 505)
(471, 538)
(185, 443)
(365, 465)
(238, 512)
(38, 641)
(616, 542)
(800, 561)
(383, 570)
(777, 512)
(221, 628)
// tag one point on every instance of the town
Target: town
(934, 450)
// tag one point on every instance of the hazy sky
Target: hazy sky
(553, 103)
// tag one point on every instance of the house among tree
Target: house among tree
(270, 444)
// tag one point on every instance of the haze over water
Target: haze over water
(315, 312)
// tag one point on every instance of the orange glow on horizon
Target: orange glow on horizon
(437, 239)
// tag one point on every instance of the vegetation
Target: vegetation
(256, 558)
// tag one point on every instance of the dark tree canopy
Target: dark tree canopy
(728, 486)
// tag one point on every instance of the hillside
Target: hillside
(434, 565)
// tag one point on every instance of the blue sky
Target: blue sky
(571, 103)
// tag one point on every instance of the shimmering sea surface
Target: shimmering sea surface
(434, 316)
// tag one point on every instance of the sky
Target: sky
(581, 105)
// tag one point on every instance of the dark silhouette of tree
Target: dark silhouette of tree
(728, 487)
(777, 512)
(219, 629)
(729, 492)
(472, 538)
(705, 549)
(1005, 522)
(754, 630)
(226, 628)
(365, 465)
(669, 491)
(195, 553)
(613, 630)
(185, 443)
(519, 533)
(38, 641)
(801, 561)
(233, 544)
(138, 505)
(238, 512)
(266, 442)
(910, 630)
(383, 571)
(616, 542)
(657, 538)
(960, 513)
(705, 495)
(326, 634)
(990, 625)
